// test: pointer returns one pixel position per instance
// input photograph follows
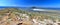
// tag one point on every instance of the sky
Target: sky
(28, 3)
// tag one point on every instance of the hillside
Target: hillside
(15, 16)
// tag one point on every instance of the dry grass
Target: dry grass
(13, 17)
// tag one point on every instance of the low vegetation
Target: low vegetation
(8, 15)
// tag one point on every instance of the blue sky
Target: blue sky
(28, 3)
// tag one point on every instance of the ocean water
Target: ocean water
(29, 8)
